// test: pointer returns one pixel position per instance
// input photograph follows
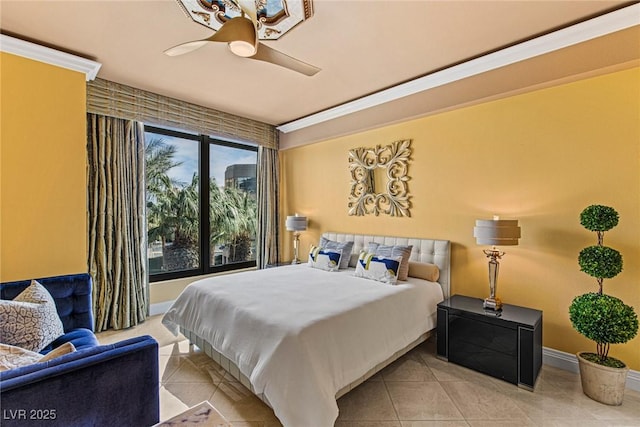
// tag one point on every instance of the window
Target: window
(198, 226)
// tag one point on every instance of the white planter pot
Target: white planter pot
(602, 383)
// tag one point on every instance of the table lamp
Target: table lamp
(296, 224)
(495, 232)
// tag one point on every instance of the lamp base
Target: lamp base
(492, 304)
(296, 244)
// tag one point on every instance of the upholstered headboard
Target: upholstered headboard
(429, 251)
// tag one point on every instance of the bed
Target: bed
(300, 337)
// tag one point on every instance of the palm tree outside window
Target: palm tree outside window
(178, 220)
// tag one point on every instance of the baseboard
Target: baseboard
(633, 380)
(159, 308)
(568, 362)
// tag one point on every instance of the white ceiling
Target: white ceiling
(361, 46)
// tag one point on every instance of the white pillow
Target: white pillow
(30, 321)
(381, 269)
(324, 259)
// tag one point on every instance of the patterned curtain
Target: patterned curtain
(268, 217)
(116, 218)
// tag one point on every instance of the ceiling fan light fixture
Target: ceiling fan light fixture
(241, 37)
(242, 48)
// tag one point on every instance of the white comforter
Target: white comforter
(301, 334)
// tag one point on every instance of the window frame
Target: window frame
(204, 144)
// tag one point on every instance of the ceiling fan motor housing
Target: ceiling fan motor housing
(243, 38)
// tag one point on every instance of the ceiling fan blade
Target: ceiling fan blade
(235, 29)
(187, 47)
(267, 54)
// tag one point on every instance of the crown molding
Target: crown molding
(600, 26)
(47, 55)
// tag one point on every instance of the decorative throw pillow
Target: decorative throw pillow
(344, 247)
(353, 260)
(382, 269)
(65, 348)
(14, 357)
(31, 320)
(324, 259)
(425, 271)
(392, 251)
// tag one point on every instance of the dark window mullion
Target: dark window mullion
(205, 228)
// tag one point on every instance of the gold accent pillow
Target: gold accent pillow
(425, 271)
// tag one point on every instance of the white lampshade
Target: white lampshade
(296, 223)
(497, 232)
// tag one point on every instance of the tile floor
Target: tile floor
(417, 390)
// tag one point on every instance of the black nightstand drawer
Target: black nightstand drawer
(505, 345)
(479, 334)
(486, 348)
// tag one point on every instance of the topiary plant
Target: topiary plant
(600, 262)
(606, 320)
(600, 317)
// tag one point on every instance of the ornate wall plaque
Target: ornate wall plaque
(379, 179)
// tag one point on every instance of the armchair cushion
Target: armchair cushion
(80, 338)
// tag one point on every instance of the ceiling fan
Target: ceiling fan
(241, 35)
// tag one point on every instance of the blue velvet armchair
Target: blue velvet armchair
(98, 385)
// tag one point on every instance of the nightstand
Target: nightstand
(505, 344)
(278, 264)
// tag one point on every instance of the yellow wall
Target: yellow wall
(43, 184)
(540, 157)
